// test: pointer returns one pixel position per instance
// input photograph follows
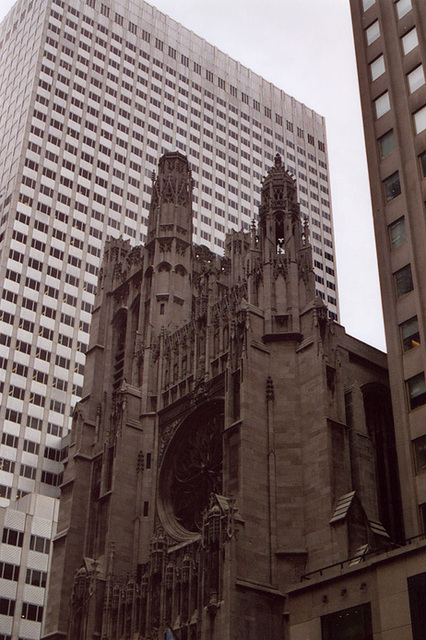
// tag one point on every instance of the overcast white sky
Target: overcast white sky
(306, 49)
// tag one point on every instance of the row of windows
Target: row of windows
(31, 446)
(32, 305)
(40, 544)
(9, 571)
(28, 471)
(34, 398)
(50, 291)
(7, 465)
(194, 139)
(410, 338)
(12, 537)
(54, 479)
(9, 440)
(127, 114)
(56, 233)
(32, 612)
(415, 77)
(36, 578)
(382, 106)
(25, 347)
(56, 454)
(5, 492)
(409, 329)
(409, 40)
(29, 611)
(7, 607)
(402, 6)
(33, 423)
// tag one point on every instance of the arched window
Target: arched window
(120, 331)
(225, 337)
(279, 233)
(148, 281)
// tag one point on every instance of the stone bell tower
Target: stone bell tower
(166, 295)
(169, 245)
(287, 284)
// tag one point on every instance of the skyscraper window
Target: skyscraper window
(416, 78)
(377, 67)
(420, 120)
(382, 104)
(410, 336)
(410, 41)
(392, 186)
(403, 7)
(416, 390)
(387, 144)
(372, 32)
(397, 233)
(403, 281)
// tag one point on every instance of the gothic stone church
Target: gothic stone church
(231, 438)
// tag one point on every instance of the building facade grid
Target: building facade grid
(390, 47)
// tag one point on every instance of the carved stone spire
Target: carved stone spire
(167, 279)
(171, 198)
(280, 221)
(288, 280)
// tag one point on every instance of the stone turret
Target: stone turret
(283, 272)
(167, 287)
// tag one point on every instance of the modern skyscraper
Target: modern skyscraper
(390, 47)
(91, 94)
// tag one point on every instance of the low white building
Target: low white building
(27, 527)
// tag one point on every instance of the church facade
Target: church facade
(231, 440)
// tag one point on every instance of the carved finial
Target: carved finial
(269, 388)
(140, 462)
(111, 556)
(278, 161)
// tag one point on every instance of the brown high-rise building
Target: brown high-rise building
(390, 43)
(390, 49)
(231, 437)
